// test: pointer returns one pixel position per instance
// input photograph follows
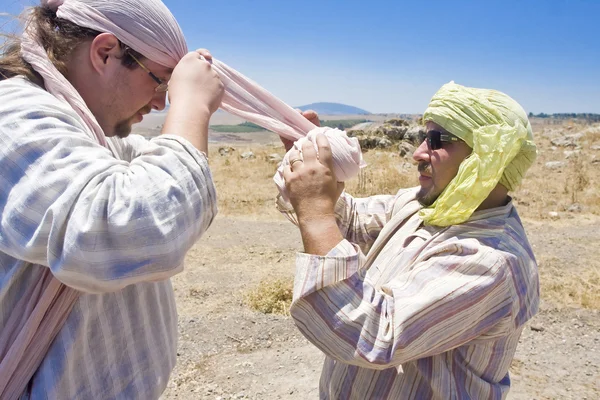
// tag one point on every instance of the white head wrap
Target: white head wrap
(147, 26)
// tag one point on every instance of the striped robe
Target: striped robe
(114, 228)
(406, 311)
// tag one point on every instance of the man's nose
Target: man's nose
(422, 152)
(159, 101)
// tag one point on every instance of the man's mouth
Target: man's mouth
(424, 171)
(424, 178)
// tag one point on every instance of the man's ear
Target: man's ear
(105, 50)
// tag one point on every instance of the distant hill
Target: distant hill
(333, 109)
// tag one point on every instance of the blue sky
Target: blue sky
(391, 56)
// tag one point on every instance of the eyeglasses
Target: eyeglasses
(436, 138)
(162, 86)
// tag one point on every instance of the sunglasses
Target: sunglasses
(162, 86)
(436, 138)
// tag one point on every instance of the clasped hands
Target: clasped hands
(311, 184)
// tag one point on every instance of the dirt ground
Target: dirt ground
(228, 351)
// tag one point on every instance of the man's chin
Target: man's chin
(123, 129)
(427, 196)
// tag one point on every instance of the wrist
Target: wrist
(319, 234)
(316, 220)
(190, 109)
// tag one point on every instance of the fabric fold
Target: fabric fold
(246, 99)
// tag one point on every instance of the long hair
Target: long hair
(59, 38)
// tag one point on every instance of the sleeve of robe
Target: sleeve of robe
(98, 222)
(459, 291)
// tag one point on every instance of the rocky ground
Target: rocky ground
(228, 351)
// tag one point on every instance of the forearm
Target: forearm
(105, 224)
(156, 209)
(353, 320)
(189, 123)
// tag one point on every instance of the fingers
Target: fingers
(325, 155)
(287, 143)
(312, 116)
(309, 152)
(287, 174)
(205, 53)
(294, 154)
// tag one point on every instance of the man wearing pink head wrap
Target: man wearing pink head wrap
(94, 219)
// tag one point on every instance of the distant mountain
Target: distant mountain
(333, 109)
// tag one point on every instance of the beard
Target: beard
(123, 128)
(427, 196)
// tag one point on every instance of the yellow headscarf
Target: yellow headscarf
(497, 129)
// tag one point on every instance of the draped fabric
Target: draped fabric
(245, 98)
(148, 27)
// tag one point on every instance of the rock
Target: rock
(396, 122)
(553, 215)
(248, 155)
(393, 132)
(575, 207)
(405, 149)
(571, 153)
(413, 133)
(275, 158)
(355, 133)
(575, 137)
(555, 165)
(537, 328)
(567, 141)
(384, 143)
(374, 142)
(225, 151)
(596, 147)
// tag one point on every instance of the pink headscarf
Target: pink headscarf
(147, 26)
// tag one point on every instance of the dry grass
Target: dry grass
(271, 296)
(564, 287)
(385, 173)
(547, 190)
(246, 187)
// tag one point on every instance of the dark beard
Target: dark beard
(423, 196)
(123, 129)
(426, 199)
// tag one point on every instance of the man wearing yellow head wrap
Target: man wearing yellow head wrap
(497, 130)
(422, 294)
